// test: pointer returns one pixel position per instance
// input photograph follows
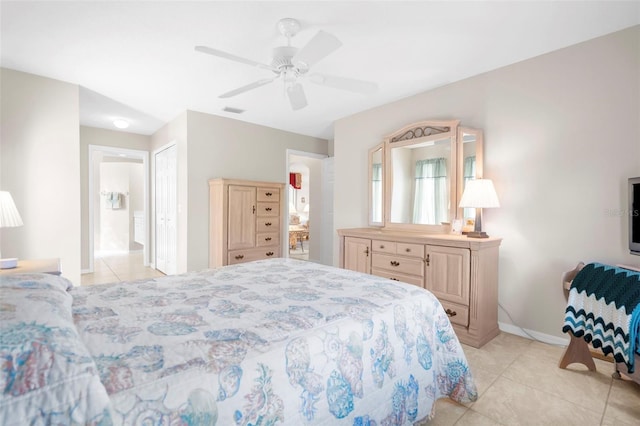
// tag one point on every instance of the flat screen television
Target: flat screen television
(634, 215)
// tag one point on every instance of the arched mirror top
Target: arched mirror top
(423, 174)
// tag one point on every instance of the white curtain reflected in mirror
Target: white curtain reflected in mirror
(421, 183)
(469, 169)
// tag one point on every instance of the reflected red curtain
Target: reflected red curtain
(295, 179)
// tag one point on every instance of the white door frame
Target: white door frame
(285, 228)
(128, 153)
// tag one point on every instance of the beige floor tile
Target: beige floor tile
(623, 405)
(108, 269)
(447, 413)
(575, 384)
(483, 380)
(498, 354)
(512, 403)
(473, 418)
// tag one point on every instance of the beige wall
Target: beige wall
(107, 138)
(223, 147)
(562, 136)
(41, 168)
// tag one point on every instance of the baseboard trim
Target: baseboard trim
(533, 335)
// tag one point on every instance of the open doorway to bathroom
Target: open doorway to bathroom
(118, 215)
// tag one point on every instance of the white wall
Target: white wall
(562, 136)
(40, 166)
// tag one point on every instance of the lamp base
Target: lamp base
(9, 263)
(477, 234)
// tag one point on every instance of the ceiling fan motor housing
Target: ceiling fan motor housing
(282, 61)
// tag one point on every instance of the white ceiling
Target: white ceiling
(136, 59)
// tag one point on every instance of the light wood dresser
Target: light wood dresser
(244, 221)
(461, 272)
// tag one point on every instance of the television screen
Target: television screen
(634, 215)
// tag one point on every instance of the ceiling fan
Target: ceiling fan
(291, 64)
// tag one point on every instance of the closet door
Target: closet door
(166, 210)
(242, 217)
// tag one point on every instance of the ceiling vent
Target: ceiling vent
(233, 110)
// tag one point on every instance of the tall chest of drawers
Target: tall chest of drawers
(461, 272)
(244, 221)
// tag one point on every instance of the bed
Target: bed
(277, 341)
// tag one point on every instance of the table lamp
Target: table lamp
(479, 194)
(9, 217)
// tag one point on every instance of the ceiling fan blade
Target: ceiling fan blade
(232, 57)
(321, 45)
(248, 87)
(297, 97)
(343, 83)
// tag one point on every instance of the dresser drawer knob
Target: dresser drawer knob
(268, 194)
(269, 253)
(394, 279)
(268, 239)
(239, 256)
(267, 224)
(394, 263)
(268, 209)
(381, 246)
(451, 313)
(408, 250)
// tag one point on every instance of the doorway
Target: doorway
(118, 204)
(306, 198)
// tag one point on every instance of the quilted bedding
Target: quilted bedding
(278, 341)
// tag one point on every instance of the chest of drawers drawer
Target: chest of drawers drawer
(268, 194)
(268, 209)
(240, 256)
(267, 224)
(399, 264)
(267, 239)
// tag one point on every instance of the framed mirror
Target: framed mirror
(470, 164)
(376, 185)
(421, 175)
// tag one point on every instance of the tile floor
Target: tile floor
(519, 383)
(119, 267)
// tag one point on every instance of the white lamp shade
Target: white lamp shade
(479, 193)
(9, 216)
(306, 208)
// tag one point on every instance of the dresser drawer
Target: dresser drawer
(268, 209)
(268, 194)
(383, 246)
(240, 256)
(412, 250)
(267, 239)
(399, 264)
(396, 276)
(404, 249)
(267, 224)
(458, 314)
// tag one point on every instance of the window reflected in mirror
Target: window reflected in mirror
(421, 182)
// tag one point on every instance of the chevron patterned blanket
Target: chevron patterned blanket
(604, 309)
